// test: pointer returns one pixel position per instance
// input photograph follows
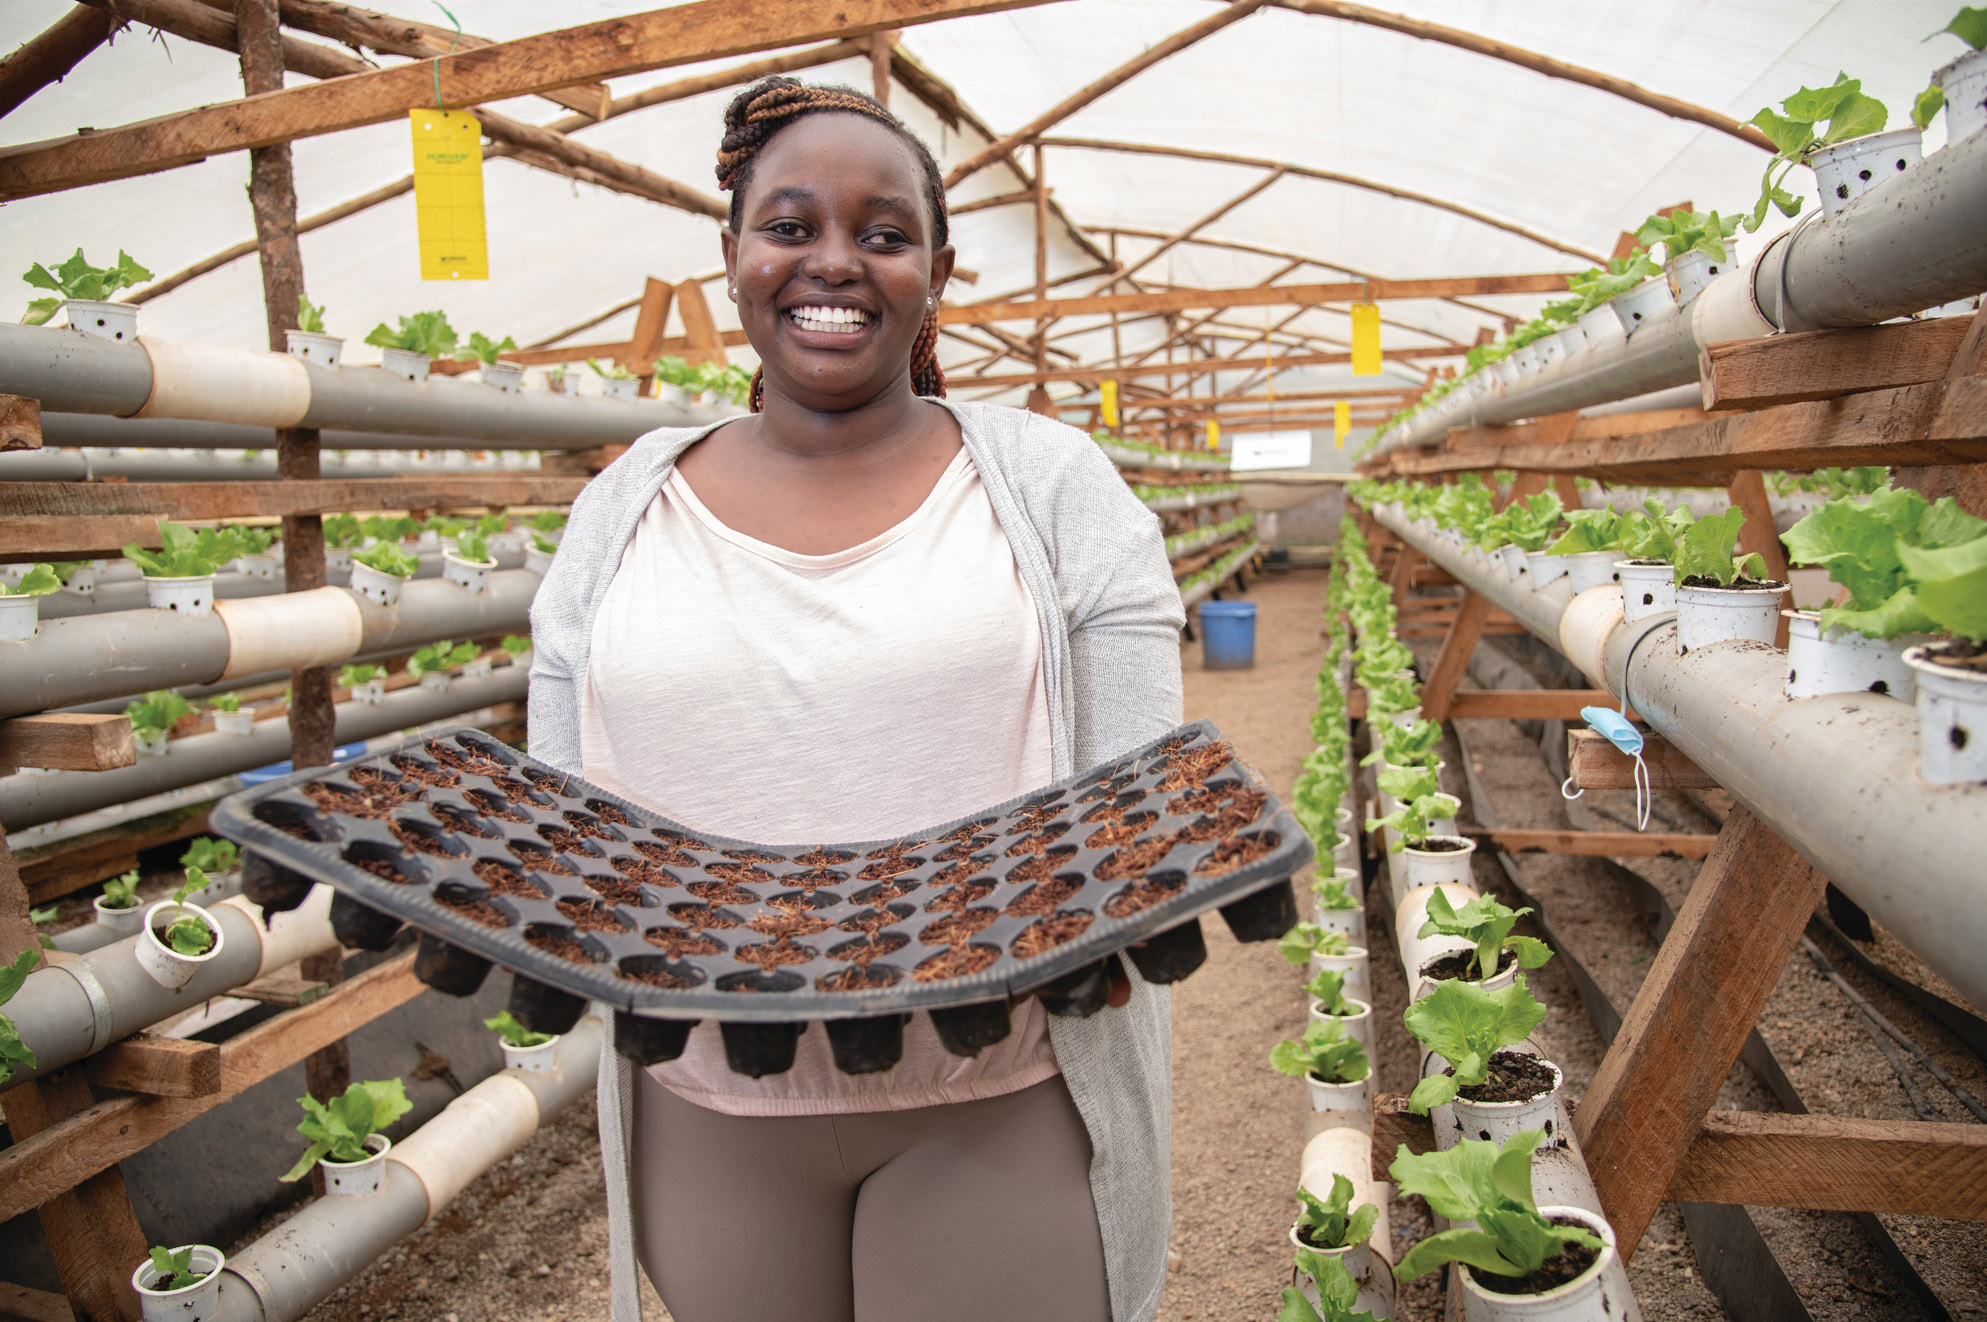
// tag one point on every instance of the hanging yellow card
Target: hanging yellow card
(448, 194)
(1107, 400)
(1213, 434)
(1341, 423)
(1366, 339)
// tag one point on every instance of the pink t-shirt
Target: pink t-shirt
(816, 699)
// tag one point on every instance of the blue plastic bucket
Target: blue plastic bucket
(1227, 635)
(277, 770)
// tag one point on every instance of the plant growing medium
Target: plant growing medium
(1480, 1182)
(77, 280)
(1325, 1052)
(515, 1034)
(338, 1129)
(1470, 1026)
(1337, 1291)
(1486, 924)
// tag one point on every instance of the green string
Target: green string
(451, 50)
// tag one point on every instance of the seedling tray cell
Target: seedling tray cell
(495, 858)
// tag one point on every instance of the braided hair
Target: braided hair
(761, 111)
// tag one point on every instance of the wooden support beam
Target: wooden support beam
(1525, 704)
(638, 355)
(66, 866)
(1704, 992)
(1595, 844)
(20, 1303)
(67, 741)
(20, 423)
(286, 990)
(1196, 227)
(1395, 1127)
(45, 58)
(610, 48)
(1189, 368)
(92, 1140)
(1250, 296)
(1404, 566)
(158, 1066)
(705, 344)
(1014, 198)
(1786, 369)
(1596, 764)
(1836, 1164)
(37, 518)
(1458, 645)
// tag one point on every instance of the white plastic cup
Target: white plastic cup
(235, 722)
(1588, 570)
(471, 575)
(374, 585)
(404, 363)
(1358, 1025)
(1637, 305)
(1844, 661)
(1578, 1300)
(1692, 273)
(19, 618)
(1544, 568)
(1952, 721)
(1645, 589)
(122, 922)
(356, 1179)
(1719, 615)
(163, 964)
(1844, 171)
(507, 377)
(107, 321)
(1353, 1097)
(193, 1303)
(190, 595)
(541, 1059)
(620, 387)
(324, 350)
(1965, 84)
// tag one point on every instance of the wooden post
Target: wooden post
(1966, 484)
(1526, 485)
(640, 353)
(1454, 658)
(272, 195)
(1038, 398)
(706, 344)
(879, 64)
(1720, 962)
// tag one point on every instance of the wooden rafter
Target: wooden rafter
(958, 209)
(1084, 96)
(1245, 195)
(1675, 107)
(1181, 300)
(637, 43)
(45, 58)
(1192, 367)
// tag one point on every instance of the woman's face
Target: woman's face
(833, 268)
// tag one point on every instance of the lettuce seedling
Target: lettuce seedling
(338, 1129)
(1689, 231)
(156, 712)
(1328, 986)
(1381, 658)
(515, 644)
(1332, 894)
(1466, 1024)
(351, 676)
(1314, 801)
(1797, 131)
(1530, 521)
(121, 892)
(439, 658)
(515, 1034)
(1405, 784)
(1337, 1291)
(185, 553)
(1492, 1186)
(1307, 939)
(1413, 821)
(424, 332)
(37, 582)
(539, 543)
(611, 371)
(77, 279)
(210, 854)
(187, 934)
(1588, 530)
(1394, 693)
(389, 528)
(1332, 1222)
(386, 558)
(13, 1051)
(1651, 534)
(175, 1270)
(1325, 1052)
(227, 702)
(472, 546)
(40, 916)
(1951, 586)
(252, 541)
(1857, 541)
(1485, 923)
(1705, 551)
(310, 316)
(1405, 745)
(483, 349)
(546, 521)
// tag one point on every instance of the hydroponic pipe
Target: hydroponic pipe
(31, 800)
(71, 372)
(293, 1268)
(1835, 776)
(105, 431)
(89, 658)
(69, 1011)
(164, 465)
(124, 589)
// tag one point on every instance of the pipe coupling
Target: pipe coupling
(290, 631)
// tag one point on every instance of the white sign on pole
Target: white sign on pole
(1257, 450)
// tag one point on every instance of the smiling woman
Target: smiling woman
(854, 613)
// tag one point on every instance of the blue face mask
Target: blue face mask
(1621, 732)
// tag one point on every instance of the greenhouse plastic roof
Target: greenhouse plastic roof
(1562, 160)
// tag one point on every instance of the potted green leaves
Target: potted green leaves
(507, 377)
(1696, 248)
(1335, 904)
(308, 341)
(180, 576)
(117, 908)
(1308, 944)
(1329, 1002)
(13, 1051)
(1648, 538)
(468, 566)
(152, 719)
(367, 683)
(1334, 1295)
(1838, 132)
(345, 1138)
(179, 936)
(85, 292)
(1514, 1255)
(1590, 546)
(216, 860)
(342, 535)
(1333, 1246)
(431, 664)
(230, 717)
(1332, 1064)
(616, 381)
(254, 557)
(1951, 585)
(1960, 87)
(1473, 1027)
(1720, 598)
(180, 1284)
(531, 1052)
(407, 350)
(20, 604)
(381, 570)
(518, 648)
(1479, 945)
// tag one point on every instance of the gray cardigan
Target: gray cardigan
(1095, 564)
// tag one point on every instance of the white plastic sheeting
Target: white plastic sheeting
(1560, 159)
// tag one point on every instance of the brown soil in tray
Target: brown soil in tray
(474, 764)
(657, 978)
(894, 850)
(1141, 896)
(1514, 1077)
(1189, 767)
(434, 777)
(561, 839)
(741, 873)
(721, 892)
(957, 873)
(373, 780)
(1237, 816)
(752, 856)
(1050, 933)
(888, 891)
(383, 869)
(957, 962)
(563, 946)
(1121, 833)
(703, 915)
(802, 902)
(1572, 1262)
(663, 854)
(679, 840)
(769, 955)
(587, 826)
(615, 890)
(868, 948)
(421, 842)
(966, 830)
(677, 942)
(461, 822)
(1235, 852)
(544, 780)
(857, 977)
(640, 870)
(503, 879)
(1034, 819)
(591, 916)
(1042, 867)
(965, 847)
(1209, 799)
(890, 867)
(607, 812)
(815, 879)
(351, 803)
(1044, 897)
(1038, 843)
(538, 858)
(1462, 964)
(494, 805)
(788, 924)
(1134, 860)
(477, 911)
(1116, 810)
(821, 857)
(955, 928)
(514, 790)
(959, 897)
(871, 920)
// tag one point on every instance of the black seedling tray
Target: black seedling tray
(497, 858)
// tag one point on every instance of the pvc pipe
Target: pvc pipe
(72, 370)
(148, 464)
(31, 800)
(85, 659)
(289, 1271)
(126, 592)
(66, 1012)
(103, 431)
(1346, 1151)
(1835, 777)
(219, 384)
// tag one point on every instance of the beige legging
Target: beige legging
(976, 1212)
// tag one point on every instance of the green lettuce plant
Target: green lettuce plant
(387, 558)
(1332, 1222)
(310, 316)
(1410, 824)
(342, 531)
(1588, 530)
(156, 712)
(1530, 521)
(1689, 231)
(1857, 542)
(1705, 551)
(1328, 986)
(612, 371)
(77, 279)
(1466, 1024)
(1337, 1291)
(1970, 26)
(1951, 586)
(472, 546)
(1480, 1182)
(210, 854)
(1485, 923)
(1650, 533)
(175, 1270)
(1307, 939)
(440, 658)
(37, 582)
(483, 349)
(13, 1051)
(187, 933)
(1810, 118)
(121, 892)
(1324, 1052)
(1405, 745)
(338, 1129)
(227, 702)
(184, 552)
(1408, 783)
(389, 528)
(252, 540)
(424, 332)
(1331, 894)
(541, 544)
(515, 1034)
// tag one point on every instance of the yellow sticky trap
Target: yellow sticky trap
(448, 194)
(1107, 400)
(1341, 423)
(1366, 339)
(1213, 434)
